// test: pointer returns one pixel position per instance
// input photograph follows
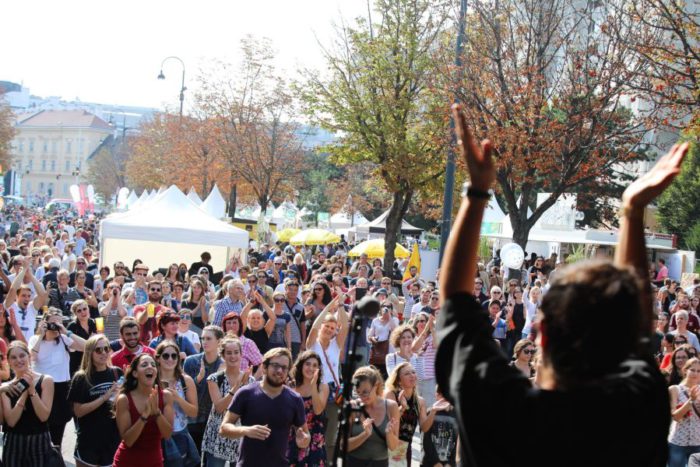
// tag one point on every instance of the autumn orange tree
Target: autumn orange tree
(256, 127)
(374, 96)
(549, 84)
(106, 169)
(7, 132)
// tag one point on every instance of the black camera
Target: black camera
(52, 327)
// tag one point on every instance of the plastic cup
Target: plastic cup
(100, 323)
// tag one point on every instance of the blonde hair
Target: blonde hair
(371, 375)
(393, 382)
(87, 368)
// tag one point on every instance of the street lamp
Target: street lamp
(182, 86)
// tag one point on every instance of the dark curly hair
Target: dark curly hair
(297, 373)
(578, 346)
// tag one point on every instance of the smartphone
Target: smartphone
(23, 384)
(359, 293)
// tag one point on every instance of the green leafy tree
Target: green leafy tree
(679, 206)
(7, 132)
(375, 95)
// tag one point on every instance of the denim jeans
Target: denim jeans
(678, 455)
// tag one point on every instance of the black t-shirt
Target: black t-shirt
(98, 428)
(622, 419)
(440, 442)
(261, 339)
(76, 357)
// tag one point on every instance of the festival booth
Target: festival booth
(194, 197)
(215, 204)
(377, 228)
(169, 229)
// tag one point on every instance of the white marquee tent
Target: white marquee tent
(214, 205)
(169, 229)
(194, 197)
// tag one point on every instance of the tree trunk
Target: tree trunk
(232, 201)
(399, 207)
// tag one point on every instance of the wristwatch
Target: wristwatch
(143, 419)
(468, 191)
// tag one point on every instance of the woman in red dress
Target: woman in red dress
(144, 415)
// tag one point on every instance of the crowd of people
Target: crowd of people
(182, 365)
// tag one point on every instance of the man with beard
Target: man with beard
(267, 410)
(132, 348)
(147, 313)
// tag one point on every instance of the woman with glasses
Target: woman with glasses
(401, 388)
(401, 340)
(50, 349)
(374, 426)
(327, 338)
(307, 374)
(282, 332)
(196, 300)
(26, 405)
(112, 310)
(84, 292)
(425, 345)
(82, 326)
(676, 342)
(144, 414)
(223, 385)
(523, 354)
(179, 450)
(320, 298)
(184, 330)
(684, 436)
(93, 390)
(678, 359)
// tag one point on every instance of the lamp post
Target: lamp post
(446, 222)
(182, 85)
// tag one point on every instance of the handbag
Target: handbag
(338, 392)
(55, 458)
(377, 353)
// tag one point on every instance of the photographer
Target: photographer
(50, 349)
(112, 310)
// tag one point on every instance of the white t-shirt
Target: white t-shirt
(27, 323)
(333, 353)
(67, 259)
(192, 336)
(53, 359)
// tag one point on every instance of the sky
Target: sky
(111, 52)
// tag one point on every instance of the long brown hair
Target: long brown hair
(87, 368)
(159, 351)
(297, 373)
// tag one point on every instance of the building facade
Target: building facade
(50, 150)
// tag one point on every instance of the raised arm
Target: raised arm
(42, 295)
(12, 294)
(459, 263)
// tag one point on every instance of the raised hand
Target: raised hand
(153, 400)
(314, 379)
(367, 426)
(650, 185)
(482, 170)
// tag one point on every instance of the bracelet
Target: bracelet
(231, 393)
(468, 191)
(143, 419)
(69, 333)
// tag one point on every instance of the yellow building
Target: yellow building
(51, 147)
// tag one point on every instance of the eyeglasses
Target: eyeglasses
(292, 284)
(364, 393)
(496, 292)
(318, 289)
(168, 356)
(435, 298)
(155, 290)
(478, 283)
(529, 352)
(84, 309)
(262, 278)
(102, 350)
(252, 281)
(278, 367)
(186, 317)
(279, 300)
(80, 263)
(421, 321)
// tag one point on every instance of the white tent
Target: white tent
(170, 229)
(194, 197)
(377, 227)
(214, 205)
(131, 200)
(140, 201)
(342, 220)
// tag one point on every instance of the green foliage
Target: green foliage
(692, 238)
(679, 205)
(319, 174)
(578, 253)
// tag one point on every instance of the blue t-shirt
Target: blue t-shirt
(183, 342)
(277, 337)
(254, 407)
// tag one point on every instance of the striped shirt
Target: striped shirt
(427, 355)
(225, 306)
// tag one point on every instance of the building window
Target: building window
(43, 165)
(54, 147)
(65, 188)
(31, 145)
(53, 166)
(68, 147)
(46, 147)
(49, 190)
(30, 164)
(41, 187)
(68, 165)
(20, 146)
(28, 186)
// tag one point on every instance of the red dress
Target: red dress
(146, 451)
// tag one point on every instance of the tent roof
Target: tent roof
(378, 225)
(194, 197)
(214, 205)
(173, 217)
(344, 218)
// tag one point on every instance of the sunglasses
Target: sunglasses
(155, 290)
(529, 352)
(435, 298)
(279, 300)
(102, 350)
(168, 356)
(421, 321)
(186, 317)
(262, 278)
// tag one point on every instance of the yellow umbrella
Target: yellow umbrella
(314, 237)
(285, 235)
(375, 249)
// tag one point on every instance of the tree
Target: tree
(106, 170)
(668, 42)
(7, 132)
(679, 205)
(551, 88)
(376, 98)
(257, 132)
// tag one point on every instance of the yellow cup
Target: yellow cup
(100, 323)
